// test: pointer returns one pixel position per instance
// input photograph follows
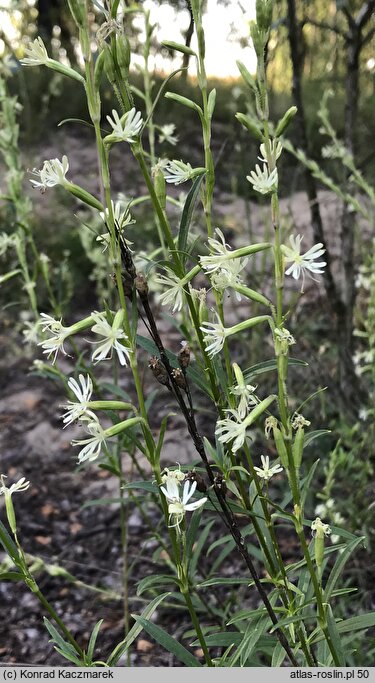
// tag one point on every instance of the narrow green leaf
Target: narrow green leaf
(268, 366)
(278, 655)
(11, 576)
(305, 487)
(339, 566)
(170, 644)
(9, 545)
(154, 581)
(361, 623)
(197, 549)
(186, 217)
(311, 436)
(223, 582)
(93, 638)
(335, 637)
(135, 630)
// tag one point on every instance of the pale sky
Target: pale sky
(223, 26)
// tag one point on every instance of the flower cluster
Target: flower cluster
(179, 504)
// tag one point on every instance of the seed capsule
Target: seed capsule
(158, 370)
(184, 355)
(178, 375)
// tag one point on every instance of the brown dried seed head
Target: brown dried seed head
(194, 476)
(184, 355)
(220, 485)
(141, 284)
(158, 370)
(179, 377)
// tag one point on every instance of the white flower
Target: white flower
(59, 334)
(92, 445)
(215, 334)
(263, 181)
(31, 332)
(175, 475)
(178, 172)
(299, 421)
(20, 485)
(246, 394)
(220, 256)
(303, 262)
(112, 334)
(284, 336)
(166, 134)
(126, 128)
(229, 276)
(83, 392)
(266, 472)
(121, 215)
(319, 528)
(36, 54)
(275, 151)
(53, 173)
(6, 241)
(230, 429)
(179, 506)
(174, 296)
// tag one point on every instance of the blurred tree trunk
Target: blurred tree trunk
(341, 305)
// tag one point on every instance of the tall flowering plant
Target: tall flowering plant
(229, 482)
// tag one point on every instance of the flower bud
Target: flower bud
(285, 121)
(98, 71)
(251, 126)
(297, 447)
(246, 75)
(264, 14)
(109, 64)
(259, 38)
(280, 447)
(159, 184)
(123, 54)
(320, 530)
